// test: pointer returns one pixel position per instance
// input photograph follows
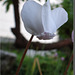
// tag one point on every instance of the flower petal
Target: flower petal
(47, 20)
(60, 16)
(31, 16)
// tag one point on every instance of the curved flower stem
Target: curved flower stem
(68, 64)
(24, 55)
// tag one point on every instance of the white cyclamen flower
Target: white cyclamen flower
(40, 20)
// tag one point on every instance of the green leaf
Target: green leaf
(8, 3)
(5, 2)
(0, 0)
(7, 7)
(22, 0)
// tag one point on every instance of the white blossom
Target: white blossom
(40, 20)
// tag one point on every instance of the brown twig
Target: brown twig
(68, 64)
(24, 55)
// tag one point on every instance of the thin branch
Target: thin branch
(21, 42)
(50, 46)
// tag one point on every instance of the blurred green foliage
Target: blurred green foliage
(50, 64)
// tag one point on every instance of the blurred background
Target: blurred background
(49, 57)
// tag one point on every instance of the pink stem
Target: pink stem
(68, 64)
(24, 55)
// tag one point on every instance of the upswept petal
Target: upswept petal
(60, 16)
(31, 16)
(47, 20)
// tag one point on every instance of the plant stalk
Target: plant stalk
(24, 55)
(68, 65)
